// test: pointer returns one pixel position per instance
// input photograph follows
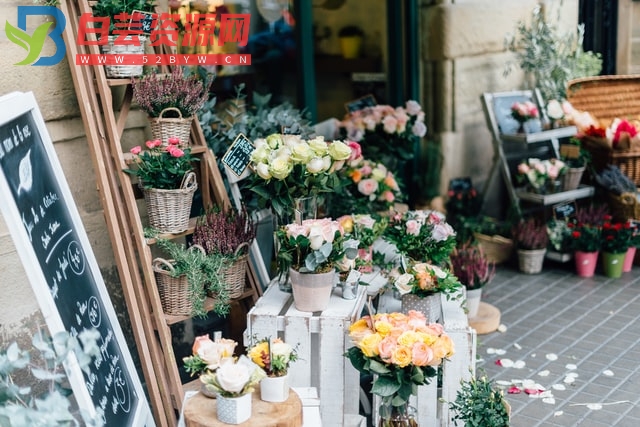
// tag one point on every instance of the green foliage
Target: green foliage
(552, 59)
(479, 404)
(19, 406)
(203, 274)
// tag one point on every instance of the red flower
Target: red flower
(575, 234)
(597, 132)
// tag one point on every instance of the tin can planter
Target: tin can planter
(430, 305)
(612, 264)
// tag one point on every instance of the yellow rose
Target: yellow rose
(443, 347)
(346, 222)
(275, 140)
(260, 154)
(401, 356)
(378, 174)
(338, 150)
(262, 169)
(319, 146)
(408, 338)
(383, 328)
(301, 153)
(428, 339)
(280, 168)
(258, 353)
(369, 345)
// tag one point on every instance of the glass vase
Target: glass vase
(398, 416)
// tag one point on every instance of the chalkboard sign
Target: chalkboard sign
(237, 157)
(460, 184)
(361, 103)
(142, 21)
(52, 244)
(502, 111)
(564, 211)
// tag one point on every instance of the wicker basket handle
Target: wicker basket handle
(198, 247)
(628, 199)
(161, 264)
(177, 110)
(240, 247)
(189, 181)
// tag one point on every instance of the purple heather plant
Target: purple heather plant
(530, 234)
(221, 232)
(156, 92)
(471, 266)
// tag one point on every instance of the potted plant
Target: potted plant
(350, 38)
(165, 173)
(585, 240)
(366, 229)
(233, 382)
(616, 240)
(114, 12)
(421, 285)
(479, 404)
(493, 236)
(312, 251)
(275, 357)
(522, 112)
(229, 233)
(185, 278)
(171, 101)
(531, 238)
(207, 354)
(472, 268)
(576, 160)
(541, 176)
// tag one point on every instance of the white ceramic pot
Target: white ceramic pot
(234, 410)
(474, 296)
(311, 291)
(274, 389)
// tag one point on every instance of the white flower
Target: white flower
(554, 110)
(402, 283)
(232, 377)
(281, 349)
(316, 165)
(262, 169)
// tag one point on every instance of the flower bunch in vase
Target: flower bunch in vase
(421, 235)
(275, 357)
(522, 112)
(207, 354)
(616, 236)
(366, 229)
(368, 186)
(423, 279)
(387, 134)
(402, 352)
(585, 237)
(161, 166)
(288, 167)
(541, 175)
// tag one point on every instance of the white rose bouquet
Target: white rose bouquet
(208, 354)
(233, 378)
(287, 167)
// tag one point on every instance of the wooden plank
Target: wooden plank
(297, 333)
(331, 390)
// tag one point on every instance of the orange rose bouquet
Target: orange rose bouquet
(402, 351)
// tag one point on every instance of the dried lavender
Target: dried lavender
(155, 92)
(221, 232)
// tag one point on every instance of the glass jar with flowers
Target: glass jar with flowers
(586, 240)
(165, 174)
(275, 357)
(366, 229)
(403, 357)
(541, 176)
(233, 382)
(312, 251)
(522, 112)
(386, 134)
(616, 240)
(472, 268)
(421, 286)
(421, 235)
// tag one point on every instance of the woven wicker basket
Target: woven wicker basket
(497, 249)
(234, 276)
(605, 98)
(571, 178)
(163, 128)
(531, 261)
(624, 206)
(123, 71)
(169, 210)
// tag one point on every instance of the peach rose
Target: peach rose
(422, 354)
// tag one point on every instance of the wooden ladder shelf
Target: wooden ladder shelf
(104, 130)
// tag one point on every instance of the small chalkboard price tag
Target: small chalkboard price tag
(564, 211)
(361, 103)
(238, 156)
(142, 21)
(569, 151)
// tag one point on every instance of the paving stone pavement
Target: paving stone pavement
(565, 327)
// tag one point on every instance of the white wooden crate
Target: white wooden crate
(322, 339)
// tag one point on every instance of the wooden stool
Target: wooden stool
(200, 411)
(487, 320)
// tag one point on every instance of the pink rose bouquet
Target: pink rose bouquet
(424, 236)
(539, 174)
(523, 111)
(401, 351)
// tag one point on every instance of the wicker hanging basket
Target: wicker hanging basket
(123, 71)
(234, 276)
(174, 291)
(169, 210)
(164, 128)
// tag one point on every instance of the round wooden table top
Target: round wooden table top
(200, 411)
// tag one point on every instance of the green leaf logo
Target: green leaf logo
(32, 44)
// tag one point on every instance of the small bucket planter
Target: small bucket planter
(169, 210)
(430, 305)
(612, 264)
(531, 261)
(123, 71)
(311, 291)
(274, 389)
(163, 128)
(234, 410)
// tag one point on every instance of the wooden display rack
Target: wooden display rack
(104, 129)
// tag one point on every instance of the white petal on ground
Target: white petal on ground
(491, 350)
(506, 363)
(549, 400)
(571, 366)
(558, 413)
(569, 380)
(552, 356)
(528, 384)
(503, 382)
(519, 364)
(500, 352)
(502, 328)
(544, 373)
(594, 406)
(608, 373)
(517, 346)
(558, 387)
(572, 374)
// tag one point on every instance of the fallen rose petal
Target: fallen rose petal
(503, 382)
(532, 391)
(569, 380)
(505, 363)
(519, 364)
(571, 367)
(529, 384)
(558, 413)
(549, 400)
(558, 387)
(608, 373)
(572, 375)
(502, 328)
(501, 352)
(517, 346)
(544, 373)
(594, 406)
(552, 356)
(514, 390)
(491, 350)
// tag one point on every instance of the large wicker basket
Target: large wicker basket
(234, 276)
(123, 71)
(169, 210)
(605, 98)
(624, 206)
(175, 295)
(163, 128)
(497, 248)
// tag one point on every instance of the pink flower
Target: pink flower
(523, 168)
(136, 150)
(413, 227)
(356, 150)
(368, 186)
(419, 129)
(442, 231)
(153, 144)
(386, 347)
(413, 107)
(389, 124)
(422, 354)
(173, 141)
(387, 196)
(175, 151)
